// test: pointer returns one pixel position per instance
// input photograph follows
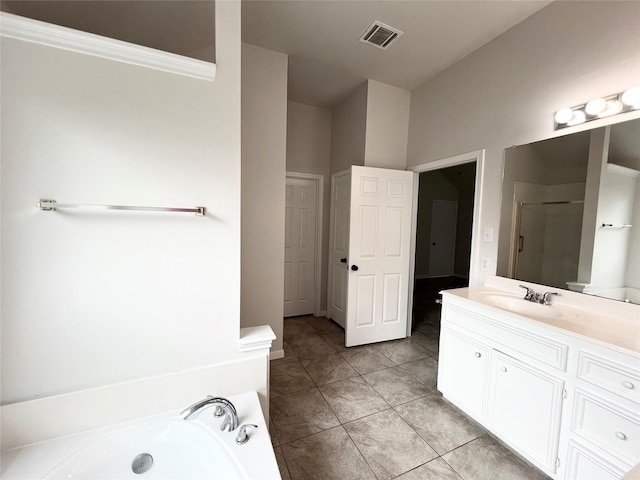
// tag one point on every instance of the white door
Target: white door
(299, 246)
(442, 250)
(379, 254)
(339, 247)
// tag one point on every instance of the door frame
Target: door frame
(476, 234)
(317, 276)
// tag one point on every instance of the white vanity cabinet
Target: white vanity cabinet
(462, 371)
(568, 405)
(524, 407)
(493, 375)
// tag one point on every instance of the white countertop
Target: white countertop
(614, 324)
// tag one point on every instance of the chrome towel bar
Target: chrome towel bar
(52, 205)
(613, 225)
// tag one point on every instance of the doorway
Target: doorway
(303, 243)
(446, 229)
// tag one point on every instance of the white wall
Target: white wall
(264, 130)
(96, 298)
(348, 130)
(506, 92)
(387, 126)
(309, 151)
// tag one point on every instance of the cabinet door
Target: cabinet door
(462, 372)
(524, 408)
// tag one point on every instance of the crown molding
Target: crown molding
(56, 36)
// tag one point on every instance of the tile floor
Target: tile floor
(373, 412)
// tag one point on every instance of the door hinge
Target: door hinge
(557, 462)
(564, 393)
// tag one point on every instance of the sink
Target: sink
(515, 304)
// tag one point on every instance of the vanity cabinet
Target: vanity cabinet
(569, 406)
(524, 407)
(462, 371)
(495, 377)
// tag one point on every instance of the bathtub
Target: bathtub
(625, 294)
(163, 446)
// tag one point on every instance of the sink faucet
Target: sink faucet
(230, 421)
(536, 297)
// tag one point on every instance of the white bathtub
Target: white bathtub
(181, 449)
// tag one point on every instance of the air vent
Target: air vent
(380, 35)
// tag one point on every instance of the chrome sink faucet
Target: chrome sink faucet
(223, 407)
(532, 296)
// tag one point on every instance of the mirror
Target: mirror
(571, 212)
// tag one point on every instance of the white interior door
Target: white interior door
(444, 216)
(339, 247)
(379, 254)
(299, 246)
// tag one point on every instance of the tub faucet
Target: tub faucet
(230, 421)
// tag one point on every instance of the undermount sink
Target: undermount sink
(526, 308)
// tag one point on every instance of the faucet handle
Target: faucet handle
(545, 297)
(242, 437)
(530, 293)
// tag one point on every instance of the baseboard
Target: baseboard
(276, 354)
(322, 313)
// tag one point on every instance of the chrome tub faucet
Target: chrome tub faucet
(223, 407)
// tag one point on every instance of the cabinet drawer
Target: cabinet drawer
(584, 464)
(514, 341)
(611, 427)
(613, 376)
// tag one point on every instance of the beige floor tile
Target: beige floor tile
(324, 326)
(402, 351)
(441, 424)
(424, 370)
(307, 346)
(486, 459)
(352, 399)
(282, 464)
(289, 356)
(366, 359)
(436, 469)
(289, 378)
(396, 386)
(388, 444)
(328, 368)
(299, 414)
(328, 455)
(336, 340)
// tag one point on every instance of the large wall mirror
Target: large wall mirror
(571, 212)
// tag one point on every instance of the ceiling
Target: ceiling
(176, 26)
(326, 60)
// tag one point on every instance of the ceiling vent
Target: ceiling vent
(380, 35)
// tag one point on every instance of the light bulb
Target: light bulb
(564, 116)
(578, 118)
(631, 97)
(613, 107)
(595, 106)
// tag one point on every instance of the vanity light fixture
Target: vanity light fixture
(599, 108)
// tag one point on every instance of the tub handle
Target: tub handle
(242, 437)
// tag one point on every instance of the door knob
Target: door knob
(354, 268)
(343, 260)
